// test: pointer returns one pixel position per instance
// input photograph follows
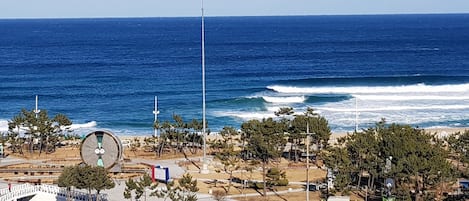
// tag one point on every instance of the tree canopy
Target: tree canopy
(39, 128)
(139, 187)
(86, 177)
(414, 159)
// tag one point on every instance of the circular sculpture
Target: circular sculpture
(101, 148)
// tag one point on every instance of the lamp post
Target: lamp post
(156, 112)
(36, 111)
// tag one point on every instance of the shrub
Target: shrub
(219, 195)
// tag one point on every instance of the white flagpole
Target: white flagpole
(205, 165)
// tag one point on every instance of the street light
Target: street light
(36, 111)
(156, 112)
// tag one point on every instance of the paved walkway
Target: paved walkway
(174, 170)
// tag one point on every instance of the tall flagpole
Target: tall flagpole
(205, 165)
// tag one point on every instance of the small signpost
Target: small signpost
(160, 173)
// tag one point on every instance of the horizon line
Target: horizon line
(221, 16)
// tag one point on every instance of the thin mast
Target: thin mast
(204, 169)
(36, 111)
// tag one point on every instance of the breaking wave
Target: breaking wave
(416, 88)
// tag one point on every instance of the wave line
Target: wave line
(397, 108)
(417, 88)
(292, 99)
(396, 97)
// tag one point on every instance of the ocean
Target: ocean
(353, 70)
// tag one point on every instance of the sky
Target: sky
(185, 8)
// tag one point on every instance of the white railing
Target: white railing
(25, 190)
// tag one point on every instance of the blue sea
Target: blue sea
(353, 70)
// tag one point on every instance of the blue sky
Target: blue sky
(172, 8)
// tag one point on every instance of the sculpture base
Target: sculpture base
(204, 169)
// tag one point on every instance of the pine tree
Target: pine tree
(228, 156)
(86, 177)
(139, 187)
(185, 191)
(266, 142)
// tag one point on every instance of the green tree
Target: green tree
(265, 142)
(185, 191)
(228, 155)
(139, 187)
(275, 177)
(363, 149)
(284, 111)
(86, 177)
(41, 127)
(338, 160)
(135, 145)
(415, 159)
(130, 186)
(180, 127)
(101, 180)
(195, 137)
(13, 134)
(458, 144)
(68, 179)
(294, 138)
(164, 139)
(179, 135)
(316, 125)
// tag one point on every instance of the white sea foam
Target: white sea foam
(3, 125)
(273, 109)
(90, 124)
(245, 115)
(287, 99)
(410, 97)
(397, 108)
(417, 88)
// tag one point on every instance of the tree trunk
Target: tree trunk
(417, 189)
(97, 196)
(89, 195)
(263, 179)
(295, 152)
(229, 182)
(40, 146)
(368, 185)
(30, 143)
(359, 172)
(160, 151)
(359, 178)
(69, 196)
